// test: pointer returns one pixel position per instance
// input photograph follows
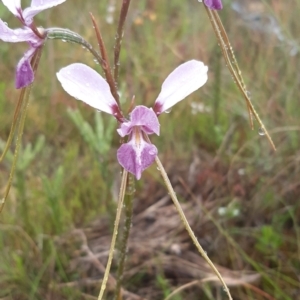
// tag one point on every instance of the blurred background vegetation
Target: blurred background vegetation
(243, 197)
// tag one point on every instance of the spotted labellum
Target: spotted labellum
(29, 33)
(85, 84)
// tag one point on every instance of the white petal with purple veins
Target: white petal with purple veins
(183, 81)
(85, 84)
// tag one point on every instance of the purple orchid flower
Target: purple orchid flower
(34, 36)
(213, 4)
(85, 84)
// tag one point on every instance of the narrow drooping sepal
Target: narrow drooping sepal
(38, 6)
(143, 117)
(85, 84)
(136, 156)
(214, 4)
(24, 72)
(183, 81)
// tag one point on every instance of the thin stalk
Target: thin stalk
(14, 124)
(217, 86)
(105, 62)
(128, 202)
(18, 144)
(23, 103)
(234, 63)
(119, 37)
(235, 71)
(115, 233)
(187, 226)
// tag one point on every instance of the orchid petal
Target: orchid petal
(85, 84)
(183, 81)
(141, 116)
(14, 6)
(214, 4)
(136, 157)
(24, 72)
(15, 35)
(37, 6)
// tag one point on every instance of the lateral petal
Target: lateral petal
(36, 7)
(135, 158)
(183, 81)
(85, 84)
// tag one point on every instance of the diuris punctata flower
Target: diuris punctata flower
(214, 4)
(34, 36)
(85, 84)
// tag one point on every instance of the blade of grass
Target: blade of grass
(14, 124)
(128, 203)
(187, 226)
(115, 233)
(230, 59)
(119, 37)
(72, 37)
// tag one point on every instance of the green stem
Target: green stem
(115, 233)
(187, 226)
(128, 202)
(119, 37)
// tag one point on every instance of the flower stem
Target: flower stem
(128, 203)
(187, 226)
(115, 233)
(119, 37)
(21, 108)
(234, 69)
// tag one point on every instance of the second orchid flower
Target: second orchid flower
(29, 33)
